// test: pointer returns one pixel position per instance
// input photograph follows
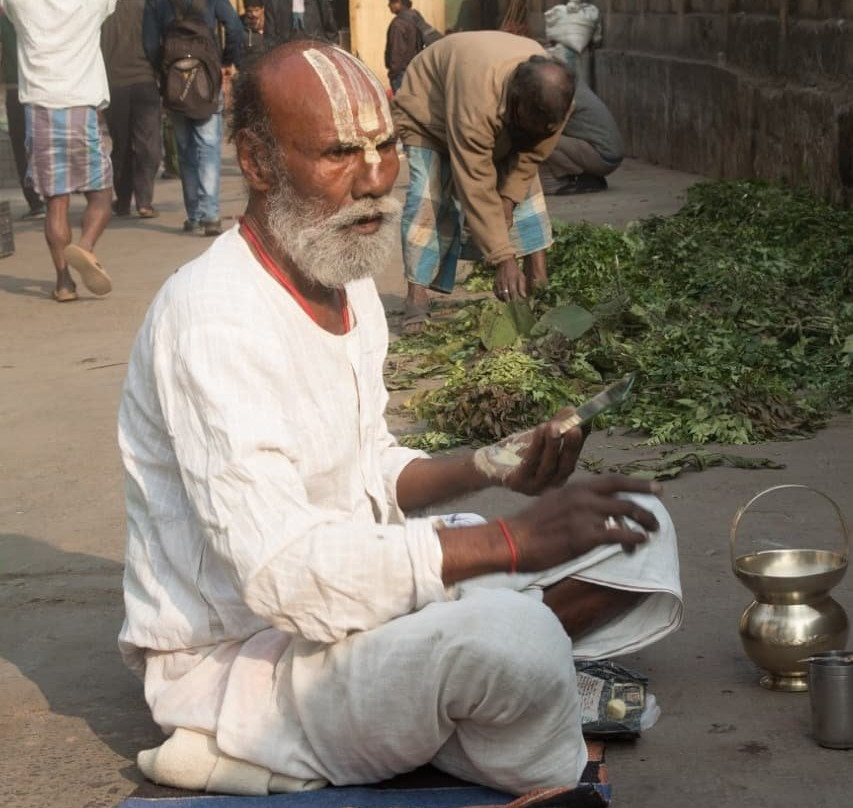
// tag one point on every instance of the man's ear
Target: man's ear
(255, 160)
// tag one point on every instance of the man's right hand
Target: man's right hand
(567, 522)
(510, 282)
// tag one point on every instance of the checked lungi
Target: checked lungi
(433, 220)
(68, 150)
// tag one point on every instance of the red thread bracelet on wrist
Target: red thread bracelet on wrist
(513, 550)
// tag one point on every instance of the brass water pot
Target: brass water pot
(793, 615)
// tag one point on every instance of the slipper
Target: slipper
(148, 213)
(64, 295)
(91, 272)
(415, 319)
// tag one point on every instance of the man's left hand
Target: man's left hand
(549, 460)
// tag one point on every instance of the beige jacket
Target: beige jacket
(453, 99)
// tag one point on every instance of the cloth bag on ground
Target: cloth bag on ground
(573, 25)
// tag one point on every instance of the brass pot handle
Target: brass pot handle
(742, 510)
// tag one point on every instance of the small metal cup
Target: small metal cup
(831, 696)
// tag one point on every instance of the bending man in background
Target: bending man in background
(477, 113)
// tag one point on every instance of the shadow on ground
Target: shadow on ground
(64, 603)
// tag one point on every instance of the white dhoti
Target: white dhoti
(482, 686)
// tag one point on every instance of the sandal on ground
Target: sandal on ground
(148, 213)
(415, 319)
(93, 275)
(64, 295)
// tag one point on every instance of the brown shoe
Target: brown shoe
(212, 227)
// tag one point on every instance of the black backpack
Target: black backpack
(191, 76)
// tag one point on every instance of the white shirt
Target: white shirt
(59, 51)
(260, 472)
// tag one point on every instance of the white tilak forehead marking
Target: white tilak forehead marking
(367, 92)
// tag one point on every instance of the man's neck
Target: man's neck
(320, 296)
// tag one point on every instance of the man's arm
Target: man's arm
(561, 525)
(396, 48)
(548, 462)
(225, 13)
(151, 39)
(517, 181)
(476, 181)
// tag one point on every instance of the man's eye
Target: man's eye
(345, 151)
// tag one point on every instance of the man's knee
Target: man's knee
(515, 637)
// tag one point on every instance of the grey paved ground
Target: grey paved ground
(72, 719)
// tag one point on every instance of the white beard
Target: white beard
(320, 243)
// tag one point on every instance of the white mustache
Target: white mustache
(385, 207)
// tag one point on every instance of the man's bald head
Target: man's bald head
(539, 94)
(310, 84)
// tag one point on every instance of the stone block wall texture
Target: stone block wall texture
(734, 88)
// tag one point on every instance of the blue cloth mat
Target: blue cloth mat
(424, 788)
(344, 797)
(359, 797)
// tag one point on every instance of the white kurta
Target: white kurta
(275, 595)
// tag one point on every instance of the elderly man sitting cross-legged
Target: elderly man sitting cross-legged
(294, 623)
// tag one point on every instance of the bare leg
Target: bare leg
(582, 606)
(417, 309)
(535, 270)
(96, 217)
(57, 234)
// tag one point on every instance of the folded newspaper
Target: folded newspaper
(614, 700)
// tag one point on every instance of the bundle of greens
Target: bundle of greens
(735, 315)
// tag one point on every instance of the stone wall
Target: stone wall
(734, 88)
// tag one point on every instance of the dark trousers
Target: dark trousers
(133, 117)
(17, 137)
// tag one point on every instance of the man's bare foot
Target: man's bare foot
(65, 290)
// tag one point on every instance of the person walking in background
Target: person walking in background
(133, 116)
(285, 20)
(589, 149)
(15, 117)
(199, 140)
(403, 41)
(63, 87)
(253, 28)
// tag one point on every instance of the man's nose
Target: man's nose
(376, 177)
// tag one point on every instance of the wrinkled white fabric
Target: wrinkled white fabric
(277, 599)
(260, 473)
(59, 51)
(652, 568)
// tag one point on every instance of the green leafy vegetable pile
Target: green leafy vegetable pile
(735, 314)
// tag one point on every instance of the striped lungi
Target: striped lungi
(68, 150)
(432, 222)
